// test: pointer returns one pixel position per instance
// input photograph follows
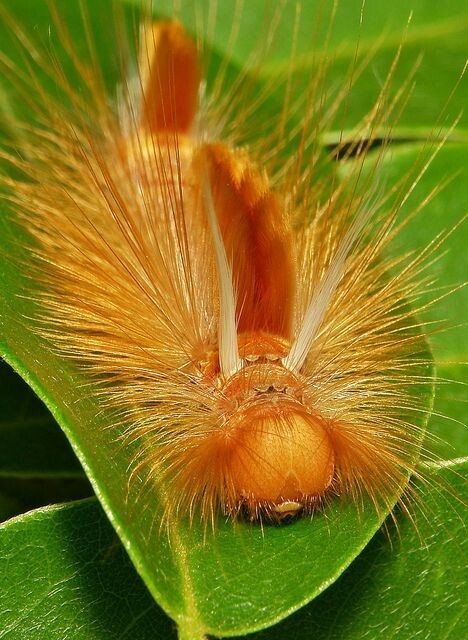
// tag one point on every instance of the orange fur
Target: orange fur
(170, 84)
(256, 237)
(130, 290)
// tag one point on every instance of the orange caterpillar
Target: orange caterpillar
(244, 327)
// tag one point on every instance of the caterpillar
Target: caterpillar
(239, 314)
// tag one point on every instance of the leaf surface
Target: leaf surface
(65, 574)
(409, 585)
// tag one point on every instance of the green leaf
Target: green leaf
(64, 574)
(243, 578)
(434, 34)
(406, 584)
(443, 216)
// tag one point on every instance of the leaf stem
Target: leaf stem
(187, 631)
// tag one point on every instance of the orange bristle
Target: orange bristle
(254, 343)
(256, 237)
(170, 76)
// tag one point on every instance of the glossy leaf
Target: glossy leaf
(433, 38)
(445, 217)
(406, 584)
(64, 574)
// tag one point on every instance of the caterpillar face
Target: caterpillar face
(280, 457)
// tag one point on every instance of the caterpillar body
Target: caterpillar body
(239, 315)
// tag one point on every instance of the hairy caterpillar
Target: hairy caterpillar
(237, 312)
